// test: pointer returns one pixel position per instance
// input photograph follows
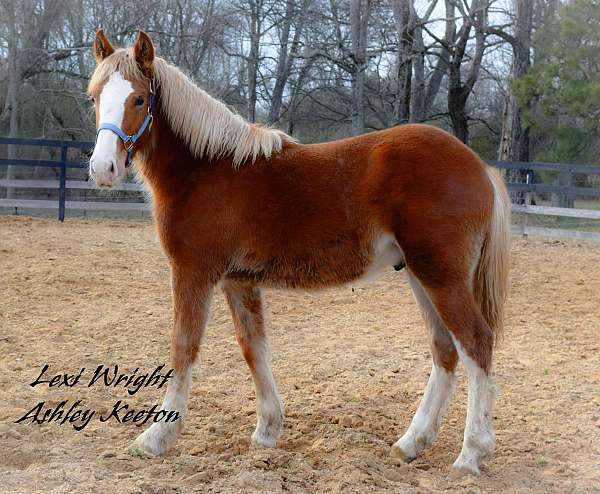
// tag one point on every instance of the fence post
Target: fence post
(527, 200)
(62, 183)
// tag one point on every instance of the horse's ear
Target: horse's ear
(102, 47)
(143, 50)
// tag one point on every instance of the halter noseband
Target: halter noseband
(130, 140)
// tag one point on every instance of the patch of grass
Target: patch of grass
(137, 453)
(587, 204)
(565, 223)
(356, 398)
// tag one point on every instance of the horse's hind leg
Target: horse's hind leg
(473, 339)
(246, 307)
(424, 427)
(191, 299)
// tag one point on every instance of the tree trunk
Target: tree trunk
(459, 91)
(504, 149)
(419, 88)
(294, 99)
(255, 27)
(12, 94)
(78, 19)
(521, 65)
(402, 14)
(286, 58)
(282, 64)
(359, 18)
(418, 94)
(563, 200)
(441, 65)
(458, 114)
(515, 131)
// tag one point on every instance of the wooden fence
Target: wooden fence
(62, 184)
(529, 188)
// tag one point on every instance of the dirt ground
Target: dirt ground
(351, 366)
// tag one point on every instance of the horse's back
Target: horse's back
(415, 170)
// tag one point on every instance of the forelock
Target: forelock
(123, 61)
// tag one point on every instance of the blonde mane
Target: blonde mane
(205, 124)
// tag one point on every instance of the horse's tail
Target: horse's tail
(491, 282)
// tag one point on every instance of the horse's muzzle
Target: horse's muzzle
(104, 173)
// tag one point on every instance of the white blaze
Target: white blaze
(111, 108)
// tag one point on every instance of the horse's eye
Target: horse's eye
(92, 99)
(139, 101)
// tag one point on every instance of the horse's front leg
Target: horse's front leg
(192, 293)
(246, 307)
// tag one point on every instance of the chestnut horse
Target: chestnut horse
(241, 206)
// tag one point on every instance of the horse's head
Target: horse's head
(122, 91)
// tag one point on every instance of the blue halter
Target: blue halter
(130, 140)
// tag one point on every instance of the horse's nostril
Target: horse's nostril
(112, 168)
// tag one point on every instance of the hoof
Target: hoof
(261, 441)
(142, 445)
(268, 429)
(461, 469)
(397, 452)
(471, 456)
(156, 441)
(409, 446)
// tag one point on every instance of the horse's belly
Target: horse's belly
(325, 268)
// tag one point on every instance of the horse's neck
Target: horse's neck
(167, 165)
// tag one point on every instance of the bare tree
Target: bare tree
(256, 16)
(411, 54)
(514, 141)
(296, 18)
(405, 25)
(459, 87)
(359, 21)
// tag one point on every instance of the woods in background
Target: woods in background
(515, 79)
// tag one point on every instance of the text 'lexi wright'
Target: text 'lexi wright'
(78, 416)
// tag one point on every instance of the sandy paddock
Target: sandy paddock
(351, 366)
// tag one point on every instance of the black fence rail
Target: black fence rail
(529, 187)
(556, 167)
(530, 168)
(62, 164)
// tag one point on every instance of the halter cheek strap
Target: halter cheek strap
(130, 140)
